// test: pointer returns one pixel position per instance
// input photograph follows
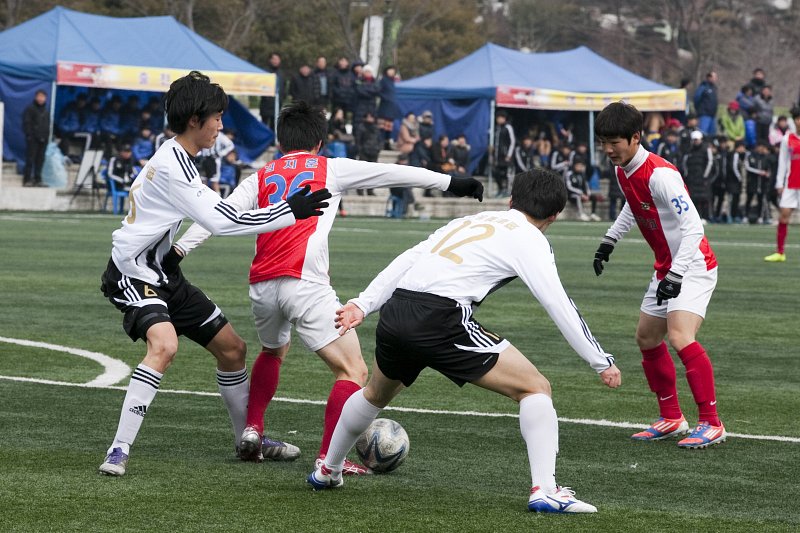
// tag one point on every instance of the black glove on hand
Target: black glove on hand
(466, 187)
(669, 287)
(305, 205)
(603, 253)
(170, 261)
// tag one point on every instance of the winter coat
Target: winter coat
(407, 137)
(763, 110)
(732, 126)
(302, 88)
(36, 122)
(705, 99)
(366, 91)
(369, 140)
(343, 88)
(698, 164)
(388, 107)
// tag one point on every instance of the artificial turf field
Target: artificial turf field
(466, 471)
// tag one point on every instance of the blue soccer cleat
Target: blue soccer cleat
(663, 428)
(561, 501)
(115, 464)
(703, 436)
(323, 478)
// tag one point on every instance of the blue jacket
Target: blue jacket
(142, 148)
(388, 106)
(705, 99)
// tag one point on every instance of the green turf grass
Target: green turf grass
(464, 473)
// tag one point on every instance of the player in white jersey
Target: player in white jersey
(680, 289)
(426, 298)
(143, 279)
(289, 282)
(212, 158)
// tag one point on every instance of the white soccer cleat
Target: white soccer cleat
(324, 478)
(277, 450)
(594, 218)
(561, 501)
(115, 464)
(249, 448)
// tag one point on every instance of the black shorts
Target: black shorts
(190, 311)
(418, 330)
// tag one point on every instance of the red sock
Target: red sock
(782, 230)
(660, 373)
(340, 392)
(263, 384)
(700, 375)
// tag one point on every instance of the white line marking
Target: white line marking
(114, 370)
(581, 421)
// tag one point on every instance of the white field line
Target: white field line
(581, 421)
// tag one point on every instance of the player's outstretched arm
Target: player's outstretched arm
(611, 376)
(348, 317)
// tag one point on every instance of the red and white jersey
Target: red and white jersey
(302, 251)
(659, 203)
(789, 163)
(473, 256)
(167, 190)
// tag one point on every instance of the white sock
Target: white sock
(357, 415)
(141, 391)
(539, 426)
(235, 391)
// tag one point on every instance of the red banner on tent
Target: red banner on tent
(157, 79)
(526, 98)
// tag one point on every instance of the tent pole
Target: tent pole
(490, 166)
(591, 138)
(52, 110)
(277, 109)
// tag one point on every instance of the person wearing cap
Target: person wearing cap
(121, 168)
(366, 91)
(685, 141)
(697, 167)
(426, 130)
(731, 124)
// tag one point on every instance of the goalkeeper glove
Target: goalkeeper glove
(466, 187)
(305, 205)
(669, 287)
(603, 253)
(169, 263)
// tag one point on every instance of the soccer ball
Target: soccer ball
(383, 446)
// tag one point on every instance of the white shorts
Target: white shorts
(790, 199)
(696, 290)
(282, 302)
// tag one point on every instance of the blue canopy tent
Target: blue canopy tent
(35, 54)
(463, 95)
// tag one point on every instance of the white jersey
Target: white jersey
(166, 190)
(475, 255)
(302, 250)
(222, 147)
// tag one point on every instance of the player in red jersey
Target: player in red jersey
(788, 185)
(675, 303)
(289, 281)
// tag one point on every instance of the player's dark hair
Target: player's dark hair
(541, 193)
(795, 111)
(193, 95)
(301, 126)
(618, 119)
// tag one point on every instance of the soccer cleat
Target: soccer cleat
(249, 448)
(663, 428)
(563, 500)
(276, 450)
(349, 468)
(775, 258)
(703, 436)
(594, 218)
(323, 478)
(115, 464)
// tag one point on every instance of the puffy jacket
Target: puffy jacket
(763, 110)
(36, 122)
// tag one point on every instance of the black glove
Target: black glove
(466, 187)
(603, 253)
(305, 205)
(669, 287)
(170, 261)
